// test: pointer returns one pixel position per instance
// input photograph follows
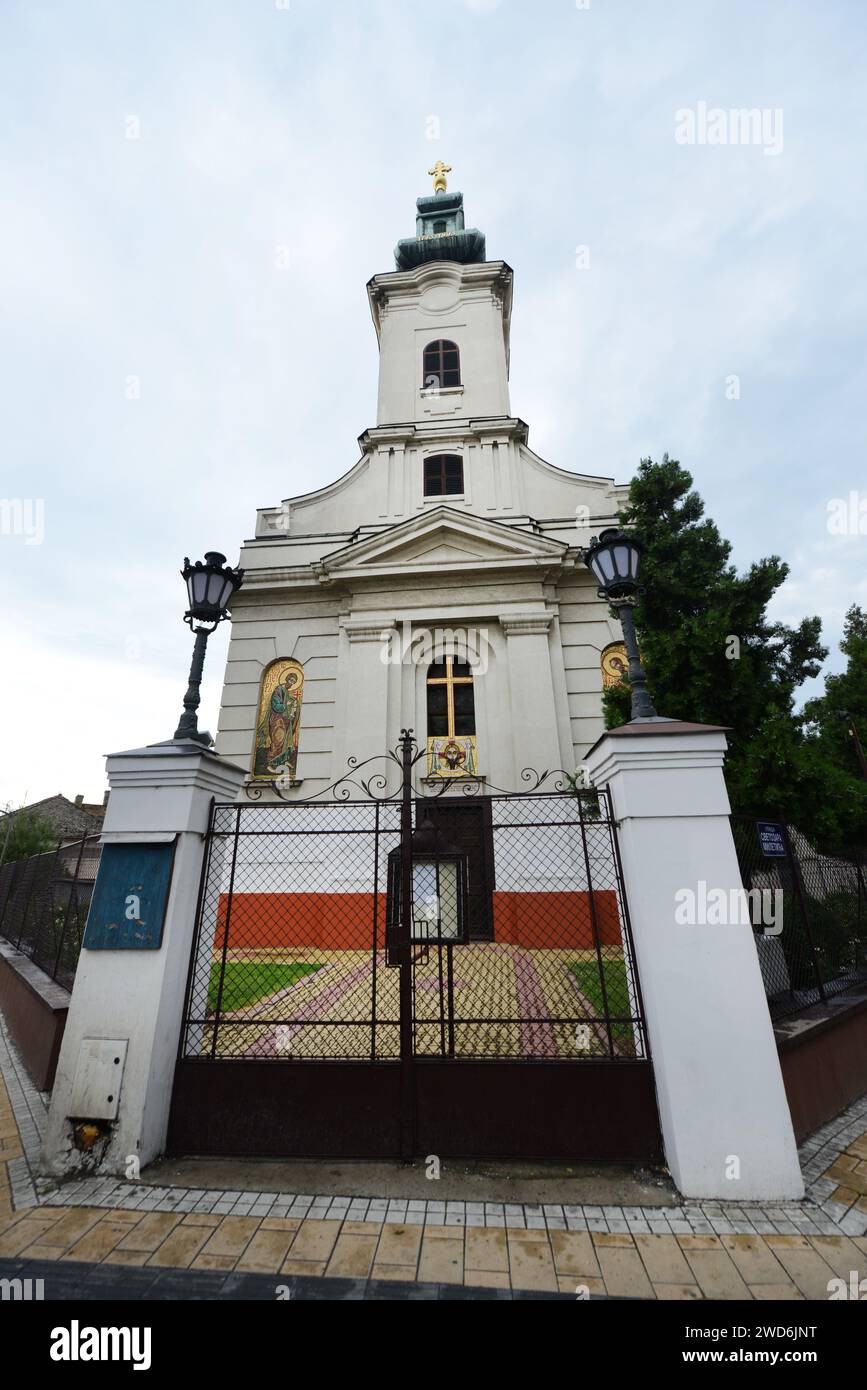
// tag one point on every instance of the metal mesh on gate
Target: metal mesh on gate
(290, 957)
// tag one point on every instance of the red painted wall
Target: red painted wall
(344, 921)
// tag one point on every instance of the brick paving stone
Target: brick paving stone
(224, 1263)
(232, 1236)
(179, 1249)
(487, 1249)
(312, 1269)
(487, 1279)
(754, 1260)
(150, 1232)
(716, 1274)
(266, 1252)
(280, 1223)
(315, 1240)
(385, 1274)
(684, 1292)
(71, 1227)
(803, 1264)
(531, 1264)
(42, 1252)
(615, 1240)
(841, 1254)
(98, 1242)
(574, 1253)
(774, 1292)
(623, 1272)
(352, 1256)
(442, 1258)
(399, 1245)
(854, 1223)
(133, 1258)
(663, 1259)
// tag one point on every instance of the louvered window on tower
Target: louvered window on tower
(443, 475)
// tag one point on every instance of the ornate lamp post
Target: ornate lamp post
(613, 558)
(210, 586)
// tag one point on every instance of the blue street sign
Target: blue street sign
(771, 839)
(129, 898)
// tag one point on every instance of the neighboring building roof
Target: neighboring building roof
(71, 819)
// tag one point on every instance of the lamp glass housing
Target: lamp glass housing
(614, 561)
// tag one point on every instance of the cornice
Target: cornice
(525, 624)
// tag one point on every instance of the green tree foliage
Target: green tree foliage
(23, 833)
(837, 721)
(713, 656)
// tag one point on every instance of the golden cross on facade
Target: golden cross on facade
(438, 174)
(450, 680)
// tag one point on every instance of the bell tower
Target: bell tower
(442, 319)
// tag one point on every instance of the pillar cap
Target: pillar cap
(638, 728)
(171, 747)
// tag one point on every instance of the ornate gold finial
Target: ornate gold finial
(438, 174)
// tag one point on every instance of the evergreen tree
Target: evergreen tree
(713, 656)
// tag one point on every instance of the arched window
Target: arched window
(443, 475)
(451, 718)
(442, 365)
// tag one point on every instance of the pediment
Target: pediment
(443, 539)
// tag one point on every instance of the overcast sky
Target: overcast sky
(164, 371)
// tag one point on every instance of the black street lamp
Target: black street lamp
(210, 586)
(613, 559)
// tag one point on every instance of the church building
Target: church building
(437, 585)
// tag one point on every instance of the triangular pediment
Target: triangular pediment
(443, 539)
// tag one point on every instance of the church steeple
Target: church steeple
(440, 234)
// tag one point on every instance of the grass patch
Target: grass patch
(247, 981)
(586, 974)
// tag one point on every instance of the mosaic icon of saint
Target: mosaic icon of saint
(277, 734)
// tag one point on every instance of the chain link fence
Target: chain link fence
(818, 946)
(44, 902)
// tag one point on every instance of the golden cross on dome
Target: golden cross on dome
(438, 174)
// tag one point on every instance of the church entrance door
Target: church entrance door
(467, 827)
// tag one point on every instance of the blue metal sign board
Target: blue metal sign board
(129, 898)
(771, 839)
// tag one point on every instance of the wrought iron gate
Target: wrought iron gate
(523, 1039)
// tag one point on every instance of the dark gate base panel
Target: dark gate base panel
(286, 1109)
(581, 1110)
(491, 1110)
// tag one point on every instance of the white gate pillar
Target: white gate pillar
(723, 1109)
(131, 1000)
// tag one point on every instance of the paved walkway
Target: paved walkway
(695, 1251)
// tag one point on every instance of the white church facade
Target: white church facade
(439, 584)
